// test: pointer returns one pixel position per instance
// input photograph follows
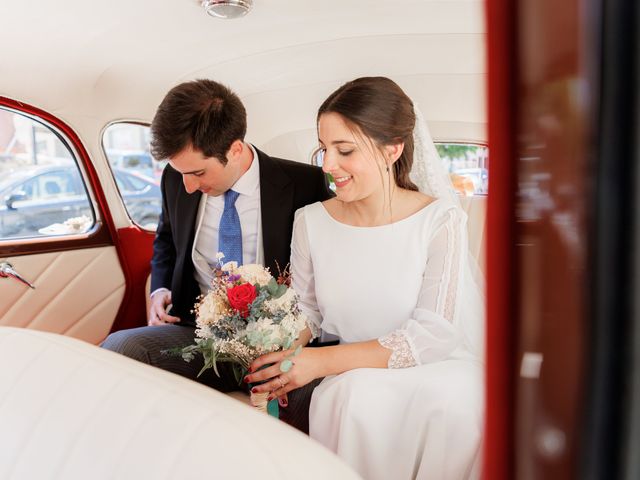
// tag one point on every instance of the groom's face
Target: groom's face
(206, 174)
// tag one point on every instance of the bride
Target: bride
(386, 269)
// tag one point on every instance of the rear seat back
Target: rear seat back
(72, 410)
(476, 209)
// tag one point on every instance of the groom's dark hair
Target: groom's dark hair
(202, 113)
(379, 108)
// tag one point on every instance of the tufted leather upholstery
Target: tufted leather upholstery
(70, 410)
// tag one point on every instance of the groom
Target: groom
(218, 194)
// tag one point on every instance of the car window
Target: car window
(41, 189)
(136, 172)
(122, 183)
(134, 183)
(468, 167)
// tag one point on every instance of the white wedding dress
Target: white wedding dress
(401, 284)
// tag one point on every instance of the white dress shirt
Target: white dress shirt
(205, 245)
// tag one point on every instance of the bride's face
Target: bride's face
(351, 159)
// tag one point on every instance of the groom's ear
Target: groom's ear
(235, 150)
(394, 151)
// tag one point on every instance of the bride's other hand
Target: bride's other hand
(305, 368)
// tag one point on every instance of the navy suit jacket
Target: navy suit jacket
(285, 186)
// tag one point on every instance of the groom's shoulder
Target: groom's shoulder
(296, 169)
(171, 178)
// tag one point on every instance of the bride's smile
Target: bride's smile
(342, 181)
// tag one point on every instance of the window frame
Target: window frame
(103, 133)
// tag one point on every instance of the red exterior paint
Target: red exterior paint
(498, 440)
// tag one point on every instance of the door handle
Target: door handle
(7, 271)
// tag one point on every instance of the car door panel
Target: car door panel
(78, 292)
(84, 286)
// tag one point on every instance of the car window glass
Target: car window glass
(121, 182)
(136, 172)
(55, 184)
(137, 184)
(468, 167)
(41, 189)
(26, 189)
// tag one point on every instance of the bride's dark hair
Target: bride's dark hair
(383, 112)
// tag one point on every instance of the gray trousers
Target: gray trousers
(146, 344)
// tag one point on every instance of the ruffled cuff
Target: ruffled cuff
(402, 354)
(315, 329)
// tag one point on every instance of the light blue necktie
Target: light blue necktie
(229, 231)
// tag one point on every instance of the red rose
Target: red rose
(241, 296)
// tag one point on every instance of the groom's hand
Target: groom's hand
(158, 309)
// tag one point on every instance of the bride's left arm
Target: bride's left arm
(312, 363)
(430, 334)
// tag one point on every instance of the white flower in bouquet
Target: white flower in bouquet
(209, 312)
(282, 303)
(253, 273)
(293, 323)
(230, 267)
(265, 335)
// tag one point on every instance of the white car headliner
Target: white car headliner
(91, 63)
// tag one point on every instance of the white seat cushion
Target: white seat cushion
(71, 410)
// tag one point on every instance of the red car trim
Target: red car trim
(498, 437)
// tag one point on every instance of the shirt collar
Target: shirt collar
(249, 182)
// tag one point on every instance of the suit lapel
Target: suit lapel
(187, 210)
(276, 204)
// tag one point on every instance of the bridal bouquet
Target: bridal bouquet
(246, 314)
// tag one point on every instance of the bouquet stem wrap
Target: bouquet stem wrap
(260, 403)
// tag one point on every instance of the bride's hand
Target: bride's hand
(278, 382)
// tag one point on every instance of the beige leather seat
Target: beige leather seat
(476, 208)
(70, 410)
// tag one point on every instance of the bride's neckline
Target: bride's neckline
(397, 222)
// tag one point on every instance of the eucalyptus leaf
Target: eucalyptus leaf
(280, 290)
(237, 372)
(272, 286)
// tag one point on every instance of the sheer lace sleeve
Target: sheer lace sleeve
(430, 334)
(303, 281)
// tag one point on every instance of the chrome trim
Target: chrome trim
(7, 271)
